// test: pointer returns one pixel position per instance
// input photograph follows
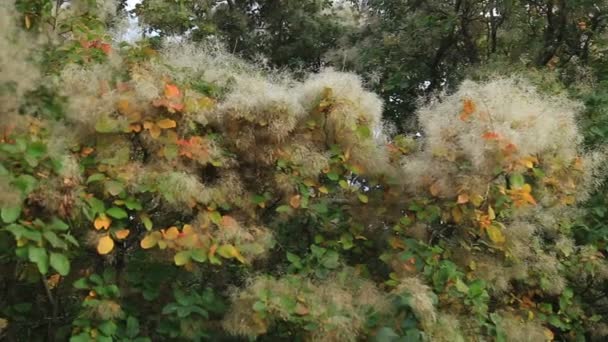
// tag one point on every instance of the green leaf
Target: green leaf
(198, 255)
(61, 263)
(55, 241)
(364, 132)
(386, 334)
(38, 256)
(57, 224)
(145, 219)
(283, 209)
(517, 180)
(10, 214)
(132, 327)
(114, 188)
(333, 176)
(461, 286)
(331, 260)
(97, 205)
(133, 204)
(363, 198)
(81, 284)
(96, 177)
(26, 183)
(259, 306)
(108, 328)
(107, 125)
(215, 217)
(117, 213)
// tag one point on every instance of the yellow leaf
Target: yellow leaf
(476, 200)
(122, 234)
(457, 215)
(491, 213)
(549, 334)
(166, 123)
(181, 258)
(363, 198)
(3, 324)
(294, 201)
(495, 234)
(171, 234)
(149, 241)
(323, 190)
(463, 198)
(229, 251)
(153, 129)
(102, 221)
(105, 245)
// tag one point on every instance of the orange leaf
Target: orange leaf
(228, 222)
(102, 221)
(468, 108)
(105, 245)
(509, 149)
(171, 234)
(166, 123)
(463, 198)
(491, 136)
(122, 234)
(106, 48)
(134, 128)
(294, 201)
(434, 189)
(171, 91)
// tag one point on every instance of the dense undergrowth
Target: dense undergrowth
(177, 192)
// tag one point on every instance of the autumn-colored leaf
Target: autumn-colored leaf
(166, 123)
(529, 161)
(149, 241)
(457, 215)
(434, 189)
(463, 198)
(153, 129)
(468, 108)
(122, 234)
(170, 234)
(135, 127)
(102, 221)
(490, 136)
(509, 149)
(301, 309)
(172, 91)
(229, 251)
(106, 48)
(228, 222)
(495, 234)
(294, 201)
(105, 245)
(323, 190)
(578, 164)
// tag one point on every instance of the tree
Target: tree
(183, 193)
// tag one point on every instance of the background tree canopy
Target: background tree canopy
(303, 170)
